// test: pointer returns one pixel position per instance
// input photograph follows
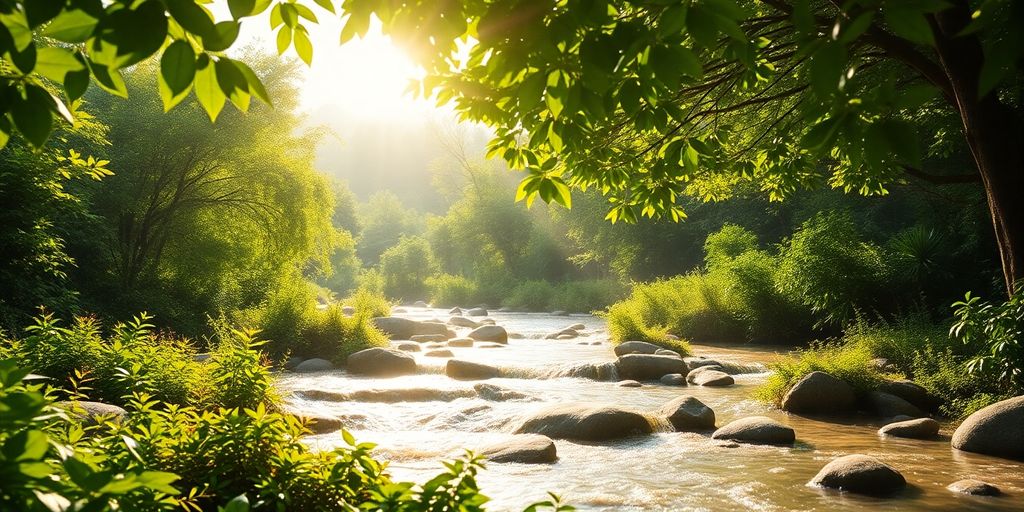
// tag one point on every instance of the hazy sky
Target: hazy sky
(385, 138)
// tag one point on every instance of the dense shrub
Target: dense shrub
(168, 458)
(997, 330)
(406, 268)
(586, 295)
(944, 374)
(530, 296)
(447, 290)
(829, 266)
(292, 322)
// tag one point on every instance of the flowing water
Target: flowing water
(663, 471)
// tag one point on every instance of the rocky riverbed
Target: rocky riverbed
(547, 402)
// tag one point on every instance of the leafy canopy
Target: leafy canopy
(645, 100)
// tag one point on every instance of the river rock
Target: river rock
(292, 362)
(476, 312)
(819, 392)
(522, 449)
(322, 424)
(492, 333)
(912, 392)
(381, 362)
(461, 321)
(994, 430)
(974, 487)
(920, 428)
(499, 394)
(348, 310)
(408, 347)
(455, 311)
(628, 384)
(697, 362)
(564, 334)
(467, 370)
(398, 328)
(420, 304)
(314, 365)
(487, 321)
(756, 430)
(692, 375)
(667, 352)
(429, 338)
(713, 378)
(577, 327)
(860, 474)
(440, 353)
(648, 366)
(460, 342)
(673, 379)
(585, 422)
(686, 413)
(635, 347)
(90, 412)
(887, 405)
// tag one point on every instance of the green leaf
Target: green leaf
(178, 66)
(672, 21)
(224, 35)
(239, 503)
(77, 82)
(208, 91)
(55, 63)
(192, 17)
(849, 32)
(241, 8)
(27, 445)
(38, 12)
(32, 114)
(553, 102)
(303, 46)
(326, 4)
(233, 83)
(531, 92)
(820, 135)
(827, 67)
(700, 24)
(73, 26)
(256, 87)
(284, 39)
(109, 80)
(908, 23)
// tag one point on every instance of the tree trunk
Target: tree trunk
(994, 134)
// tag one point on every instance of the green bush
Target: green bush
(406, 267)
(447, 290)
(530, 296)
(292, 322)
(586, 296)
(829, 267)
(997, 330)
(944, 374)
(847, 362)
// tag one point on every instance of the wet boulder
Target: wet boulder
(398, 328)
(994, 430)
(691, 376)
(756, 430)
(91, 412)
(322, 424)
(629, 384)
(912, 392)
(667, 352)
(713, 378)
(635, 347)
(648, 366)
(492, 333)
(476, 312)
(920, 428)
(673, 379)
(460, 342)
(428, 338)
(585, 422)
(577, 327)
(974, 487)
(522, 449)
(292, 362)
(697, 362)
(461, 321)
(887, 405)
(440, 353)
(314, 365)
(381, 362)
(686, 413)
(819, 392)
(487, 321)
(499, 394)
(564, 334)
(455, 311)
(860, 474)
(467, 370)
(408, 347)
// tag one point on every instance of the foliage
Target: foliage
(406, 267)
(533, 295)
(447, 290)
(850, 363)
(943, 373)
(727, 244)
(384, 221)
(998, 329)
(829, 266)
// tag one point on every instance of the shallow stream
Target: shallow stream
(663, 471)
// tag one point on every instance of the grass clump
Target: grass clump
(851, 363)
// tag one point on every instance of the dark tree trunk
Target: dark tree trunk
(994, 134)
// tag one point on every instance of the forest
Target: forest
(799, 215)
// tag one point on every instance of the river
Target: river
(662, 471)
